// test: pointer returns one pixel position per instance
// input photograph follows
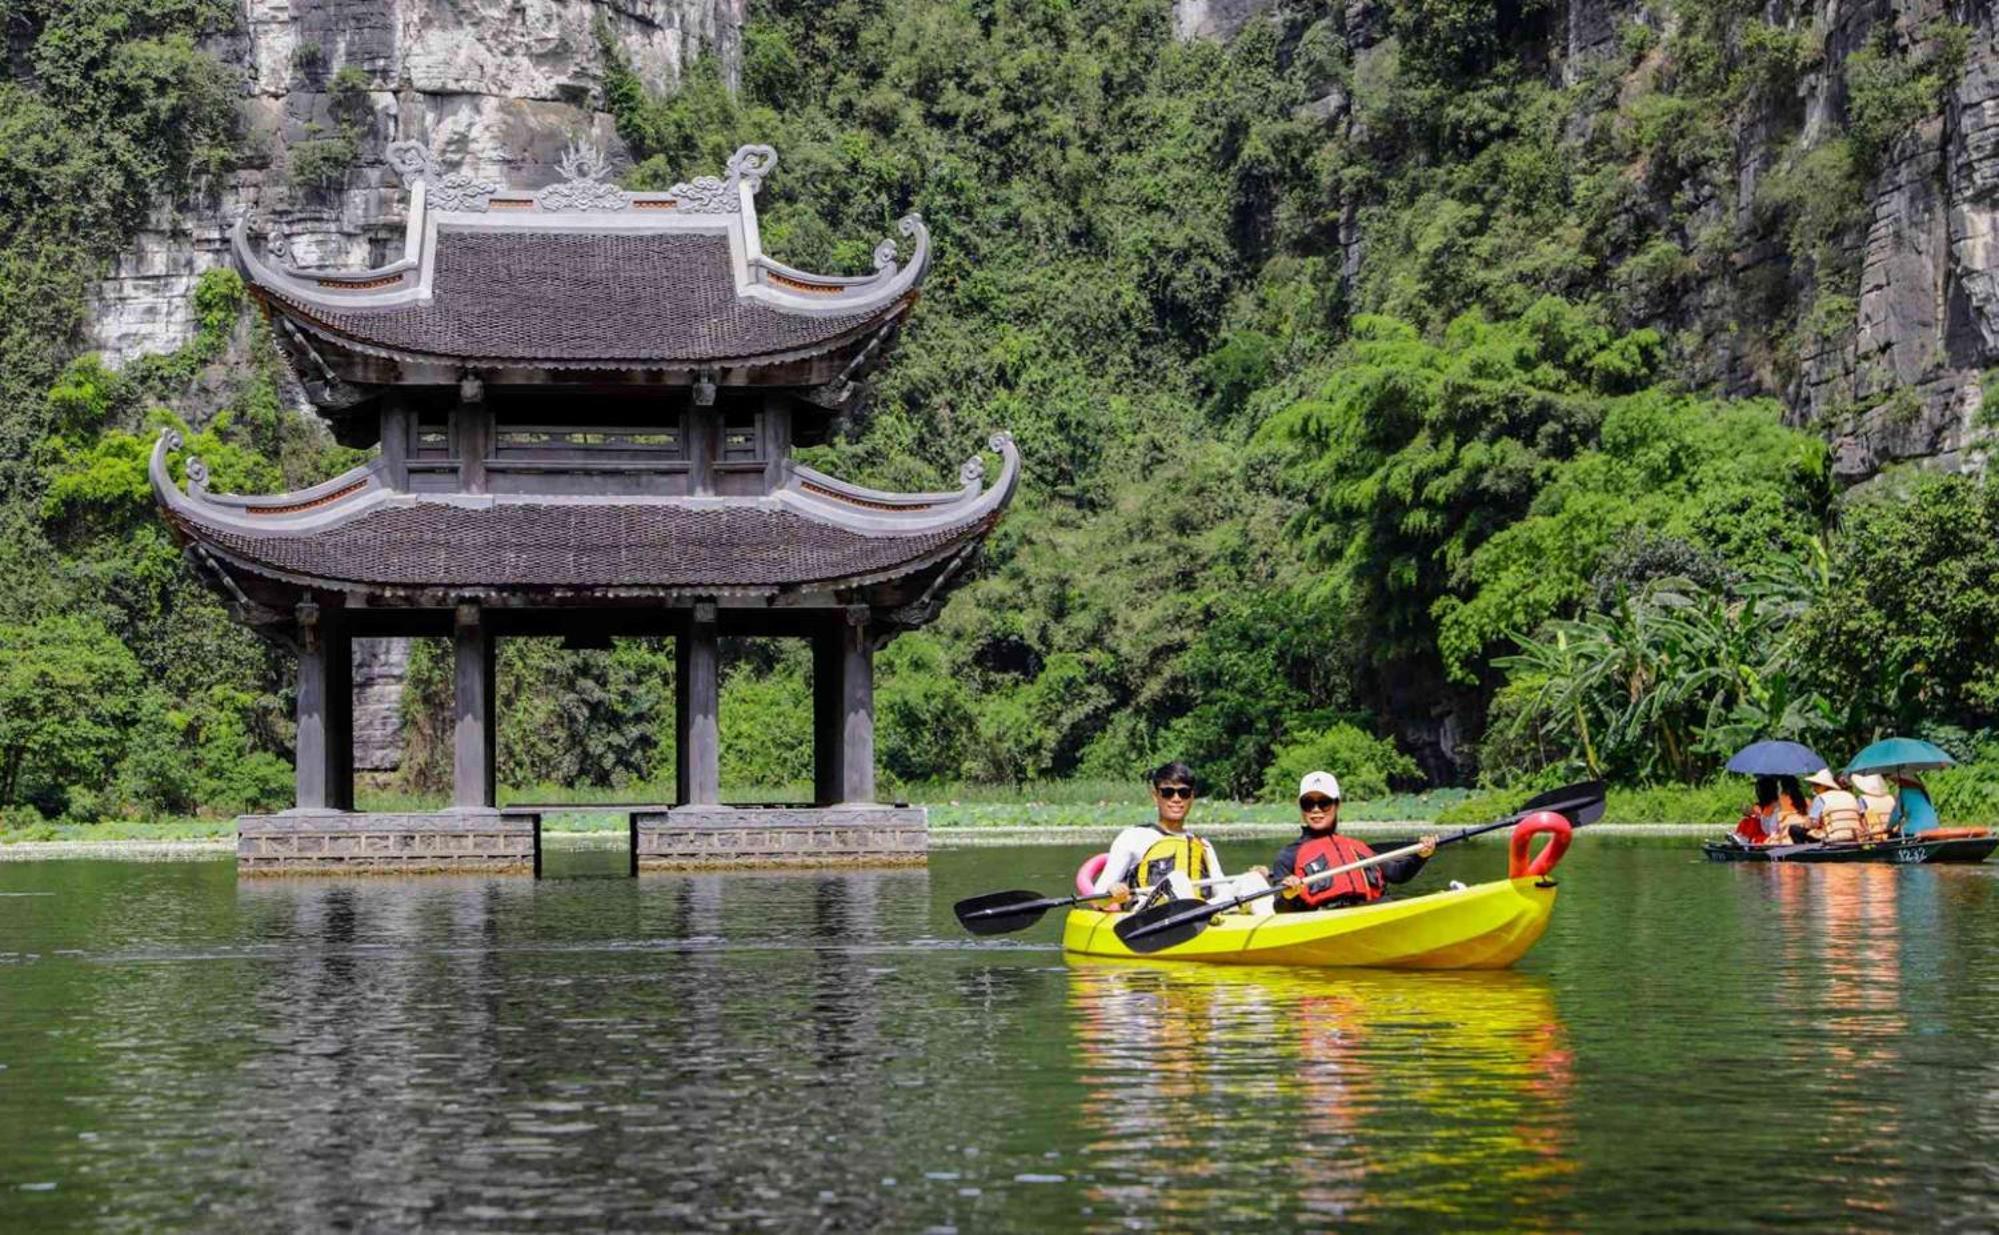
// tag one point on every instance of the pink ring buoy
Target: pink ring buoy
(1086, 874)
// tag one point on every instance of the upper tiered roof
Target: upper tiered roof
(581, 276)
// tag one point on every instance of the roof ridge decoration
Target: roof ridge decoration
(459, 190)
(716, 195)
(584, 185)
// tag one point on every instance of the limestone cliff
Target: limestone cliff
(1882, 339)
(495, 86)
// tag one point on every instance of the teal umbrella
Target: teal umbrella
(1900, 755)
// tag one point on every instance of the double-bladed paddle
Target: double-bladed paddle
(1001, 913)
(1176, 922)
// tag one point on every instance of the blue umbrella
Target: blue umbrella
(1900, 755)
(1776, 759)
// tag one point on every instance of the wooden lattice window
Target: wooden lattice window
(430, 437)
(741, 439)
(653, 443)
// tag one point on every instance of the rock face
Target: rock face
(498, 87)
(1891, 366)
(379, 668)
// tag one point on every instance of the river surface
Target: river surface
(1692, 1046)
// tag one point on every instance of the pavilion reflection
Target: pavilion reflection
(1436, 1092)
(446, 1040)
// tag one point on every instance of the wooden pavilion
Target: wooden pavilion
(586, 401)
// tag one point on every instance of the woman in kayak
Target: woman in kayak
(1320, 847)
(1163, 852)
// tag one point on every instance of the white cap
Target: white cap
(1320, 782)
(1872, 785)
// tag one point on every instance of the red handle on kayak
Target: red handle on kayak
(1557, 830)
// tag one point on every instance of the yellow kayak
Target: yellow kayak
(1486, 926)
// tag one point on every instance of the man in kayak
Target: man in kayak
(1162, 853)
(1320, 847)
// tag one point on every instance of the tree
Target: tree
(68, 687)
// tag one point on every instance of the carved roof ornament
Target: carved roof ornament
(717, 195)
(459, 190)
(585, 171)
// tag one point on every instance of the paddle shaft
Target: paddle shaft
(1056, 902)
(1363, 864)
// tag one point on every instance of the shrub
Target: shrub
(1365, 765)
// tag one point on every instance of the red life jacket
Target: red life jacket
(1323, 853)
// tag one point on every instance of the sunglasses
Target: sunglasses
(1174, 791)
(1317, 803)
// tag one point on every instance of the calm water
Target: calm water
(1692, 1045)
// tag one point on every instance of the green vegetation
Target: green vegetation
(1365, 392)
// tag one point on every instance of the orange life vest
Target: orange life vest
(1323, 853)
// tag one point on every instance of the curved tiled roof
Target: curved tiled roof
(516, 544)
(813, 532)
(620, 298)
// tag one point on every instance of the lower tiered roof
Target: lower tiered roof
(353, 534)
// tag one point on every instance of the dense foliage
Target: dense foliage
(1355, 380)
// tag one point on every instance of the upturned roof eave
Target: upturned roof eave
(274, 301)
(943, 530)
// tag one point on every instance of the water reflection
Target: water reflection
(1691, 1047)
(1437, 1093)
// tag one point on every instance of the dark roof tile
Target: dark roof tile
(609, 545)
(655, 297)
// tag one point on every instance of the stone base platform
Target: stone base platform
(707, 837)
(351, 842)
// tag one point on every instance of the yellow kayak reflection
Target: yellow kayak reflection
(1378, 1091)
(1485, 926)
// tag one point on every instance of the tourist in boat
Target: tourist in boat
(1914, 812)
(1162, 855)
(1320, 847)
(1836, 815)
(1780, 807)
(1877, 803)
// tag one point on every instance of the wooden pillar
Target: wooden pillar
(339, 715)
(472, 432)
(828, 715)
(857, 708)
(324, 768)
(473, 784)
(777, 439)
(704, 431)
(698, 748)
(396, 421)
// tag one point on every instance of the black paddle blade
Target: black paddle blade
(1579, 803)
(1164, 926)
(997, 913)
